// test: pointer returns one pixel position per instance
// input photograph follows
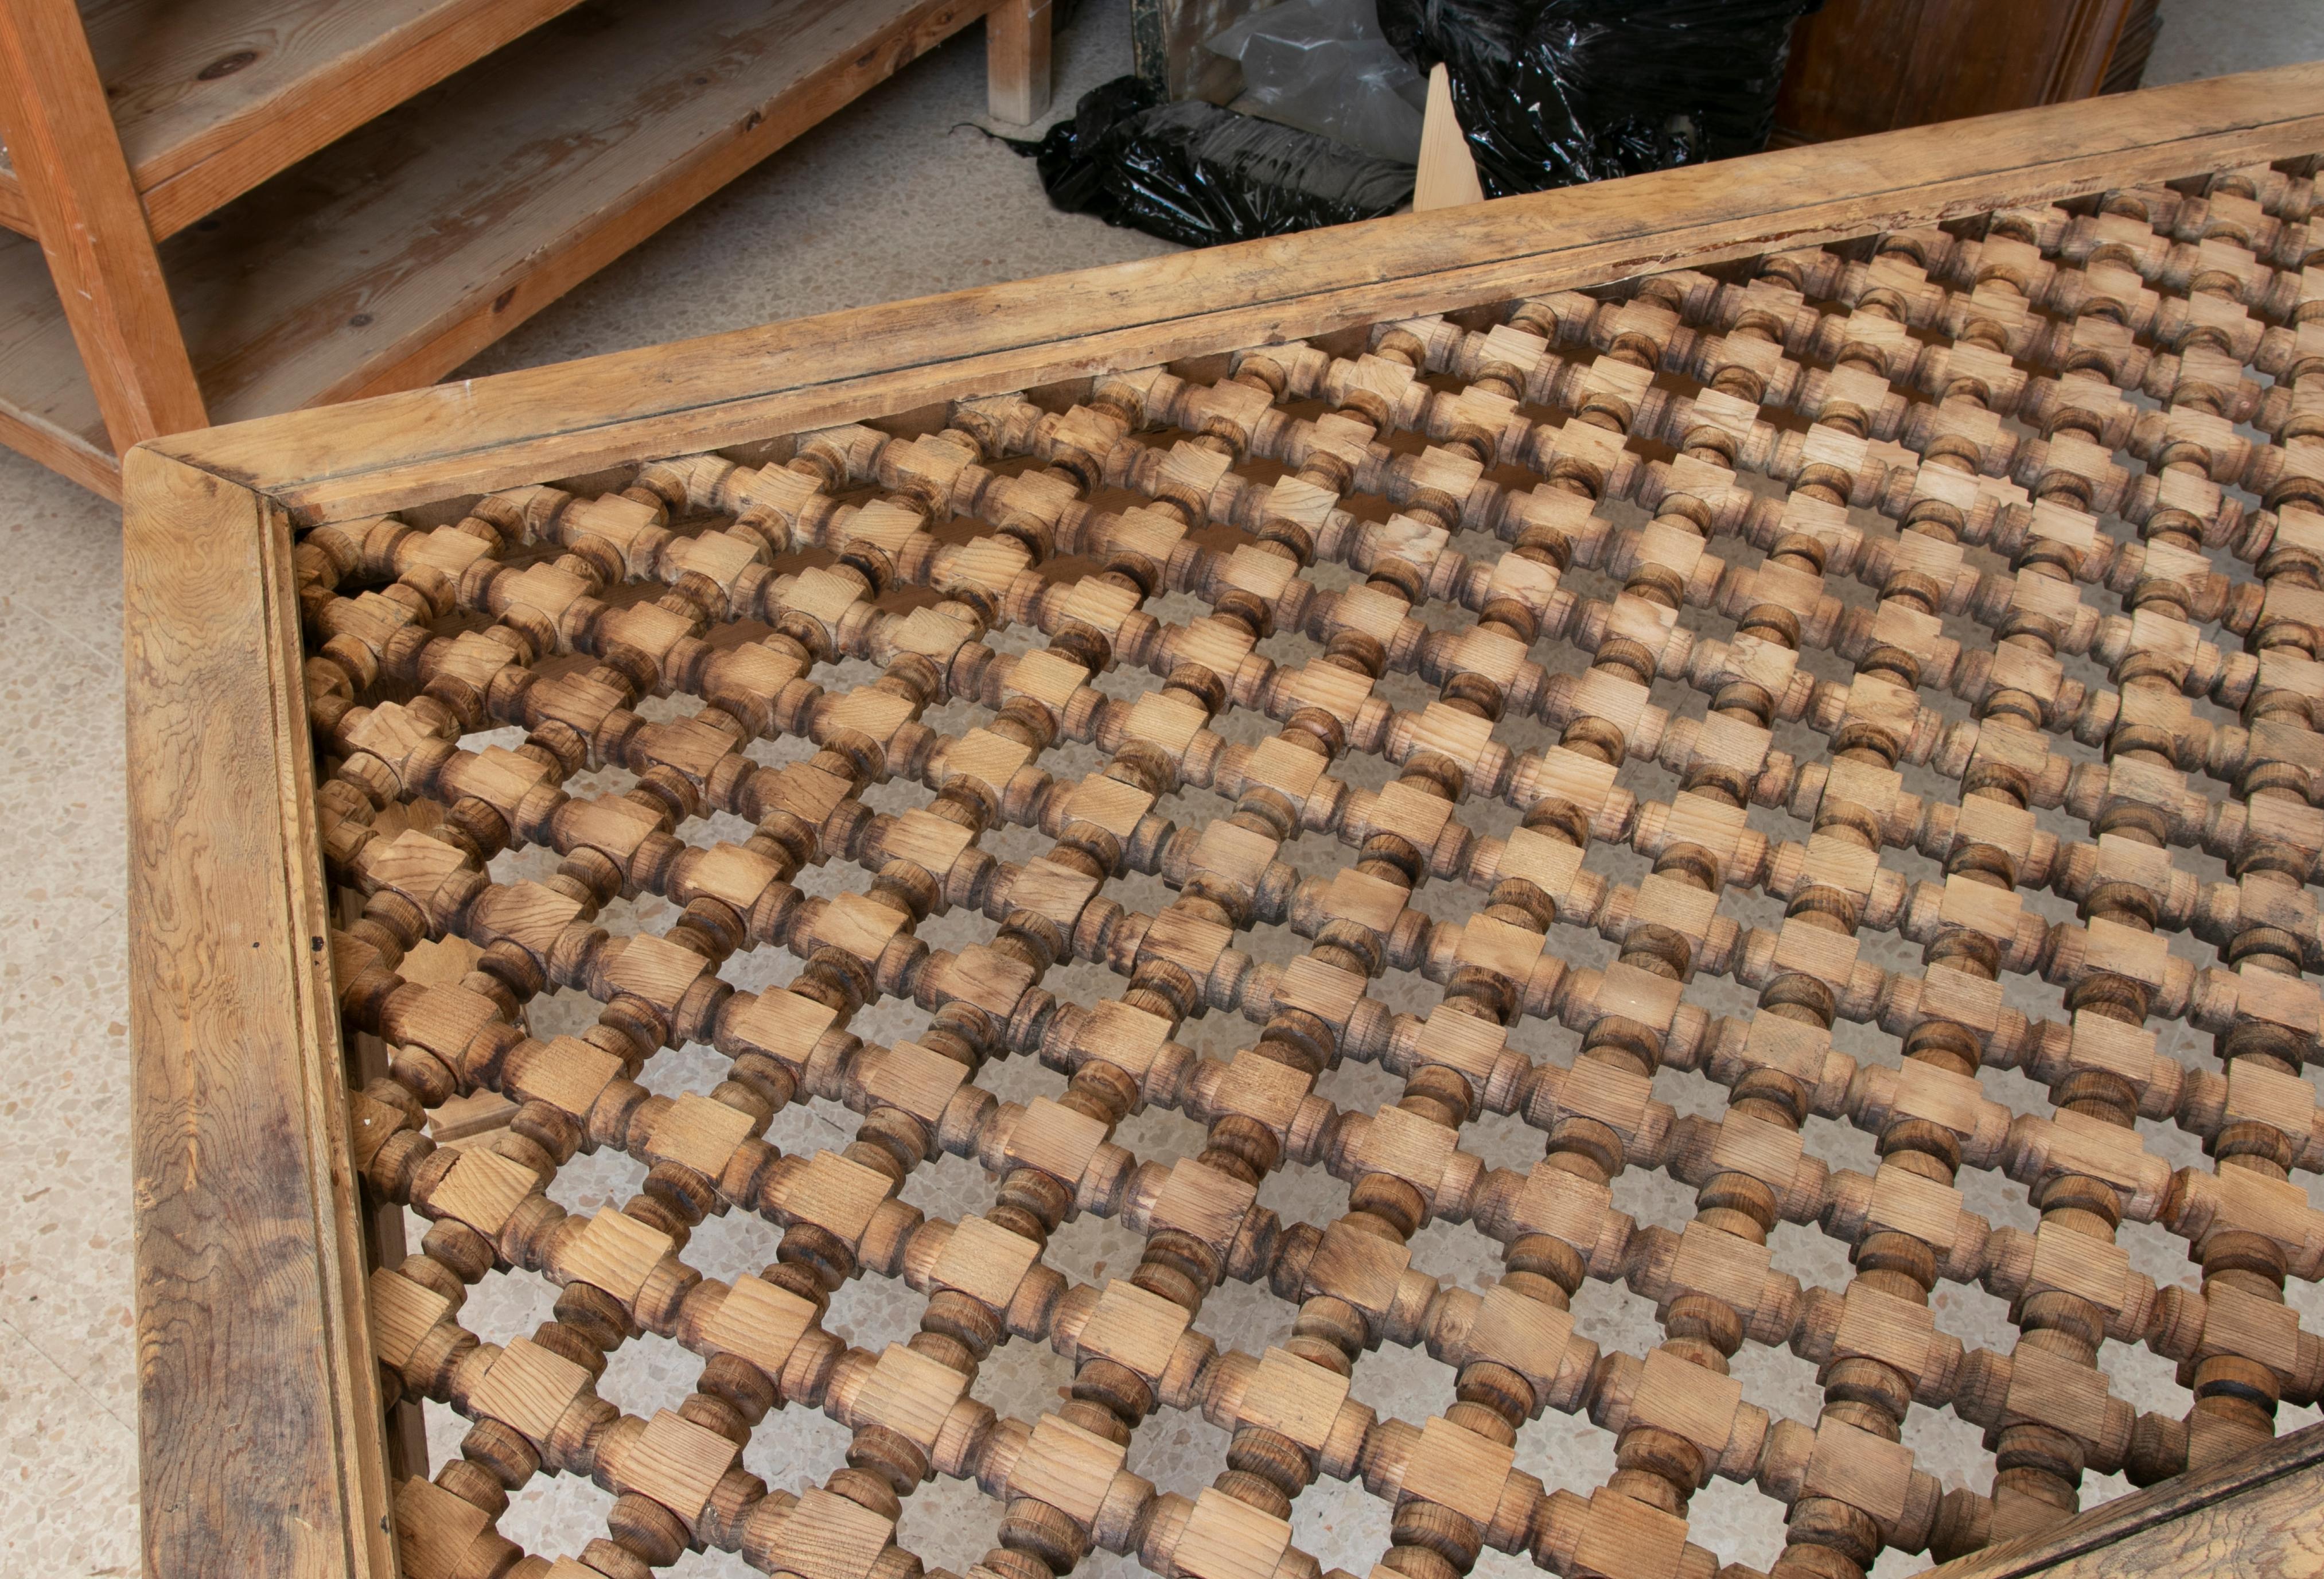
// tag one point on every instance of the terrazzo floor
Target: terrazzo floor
(898, 196)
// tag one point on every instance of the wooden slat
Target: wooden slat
(47, 410)
(2259, 1513)
(404, 249)
(212, 100)
(319, 70)
(92, 466)
(708, 103)
(552, 422)
(262, 1446)
(92, 233)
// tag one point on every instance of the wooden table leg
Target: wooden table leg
(1017, 60)
(92, 227)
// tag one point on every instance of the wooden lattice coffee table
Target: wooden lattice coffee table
(1989, 454)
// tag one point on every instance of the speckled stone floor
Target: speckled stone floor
(895, 197)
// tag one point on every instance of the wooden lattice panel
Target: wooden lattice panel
(1709, 638)
(2038, 428)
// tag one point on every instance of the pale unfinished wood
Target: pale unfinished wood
(2255, 1514)
(258, 1394)
(1447, 176)
(1016, 48)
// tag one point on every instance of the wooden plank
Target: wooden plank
(399, 252)
(2258, 1513)
(1447, 176)
(200, 130)
(92, 231)
(553, 421)
(93, 465)
(1017, 60)
(262, 1450)
(14, 214)
(705, 104)
(212, 100)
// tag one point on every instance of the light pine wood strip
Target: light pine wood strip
(258, 1403)
(2260, 1513)
(542, 424)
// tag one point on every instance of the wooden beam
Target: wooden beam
(1017, 60)
(555, 421)
(261, 1445)
(2259, 1513)
(91, 226)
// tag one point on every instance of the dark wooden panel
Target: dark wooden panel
(1864, 66)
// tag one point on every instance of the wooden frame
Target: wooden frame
(262, 1451)
(256, 205)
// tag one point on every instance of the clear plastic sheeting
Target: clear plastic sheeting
(1199, 175)
(1555, 92)
(1325, 67)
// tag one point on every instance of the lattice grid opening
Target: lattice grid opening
(1878, 639)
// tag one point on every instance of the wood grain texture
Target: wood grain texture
(967, 498)
(1860, 66)
(392, 258)
(91, 463)
(92, 231)
(1017, 60)
(1447, 176)
(200, 129)
(548, 422)
(209, 100)
(263, 1452)
(2261, 1512)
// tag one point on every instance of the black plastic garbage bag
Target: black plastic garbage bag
(1199, 175)
(1555, 92)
